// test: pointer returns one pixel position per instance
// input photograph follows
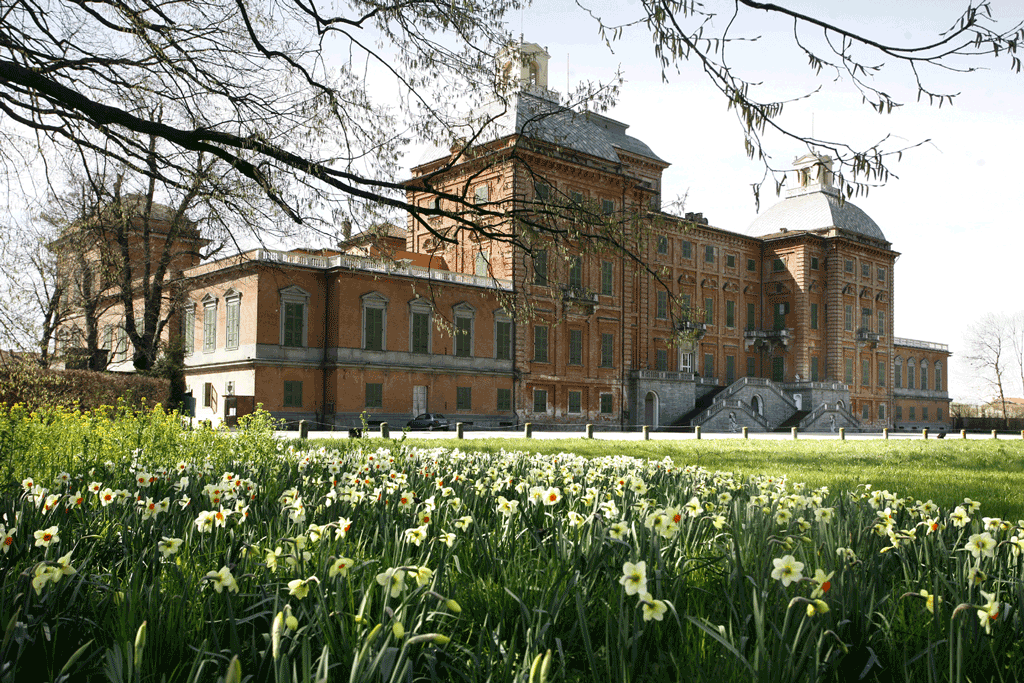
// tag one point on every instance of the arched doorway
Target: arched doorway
(757, 404)
(651, 410)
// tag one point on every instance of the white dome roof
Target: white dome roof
(816, 211)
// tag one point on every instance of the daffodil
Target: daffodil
(816, 607)
(975, 576)
(634, 577)
(959, 517)
(393, 580)
(6, 538)
(652, 609)
(822, 582)
(300, 587)
(43, 575)
(221, 579)
(464, 522)
(45, 537)
(618, 530)
(552, 496)
(930, 600)
(205, 521)
(787, 569)
(989, 612)
(693, 507)
(340, 567)
(982, 544)
(416, 535)
(422, 575)
(64, 567)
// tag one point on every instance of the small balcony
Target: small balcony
(580, 296)
(767, 340)
(866, 336)
(692, 328)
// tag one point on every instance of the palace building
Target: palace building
(790, 324)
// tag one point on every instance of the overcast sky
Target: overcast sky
(952, 213)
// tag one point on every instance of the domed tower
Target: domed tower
(524, 66)
(828, 281)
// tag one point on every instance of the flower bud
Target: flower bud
(275, 634)
(140, 645)
(398, 630)
(453, 606)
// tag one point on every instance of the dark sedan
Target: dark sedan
(431, 421)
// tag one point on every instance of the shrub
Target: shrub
(84, 389)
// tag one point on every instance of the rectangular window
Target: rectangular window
(606, 404)
(778, 369)
(463, 398)
(897, 376)
(208, 395)
(504, 400)
(607, 350)
(234, 315)
(540, 343)
(780, 310)
(189, 322)
(881, 411)
(913, 413)
(575, 401)
(730, 369)
(751, 367)
(292, 394)
(661, 359)
(938, 414)
(686, 362)
(122, 340)
(848, 375)
(540, 401)
(730, 314)
(865, 270)
(881, 274)
(924, 377)
(575, 272)
(662, 308)
(541, 191)
(686, 250)
(108, 337)
(420, 332)
(576, 197)
(865, 411)
(540, 268)
(480, 194)
(373, 331)
(814, 368)
(730, 260)
(881, 323)
(865, 318)
(778, 265)
(938, 379)
(503, 340)
(374, 395)
(607, 207)
(911, 380)
(209, 328)
(293, 314)
(709, 365)
(814, 263)
(662, 244)
(751, 265)
(848, 318)
(814, 316)
(575, 347)
(865, 372)
(848, 266)
(463, 337)
(606, 278)
(750, 316)
(709, 254)
(899, 413)
(709, 311)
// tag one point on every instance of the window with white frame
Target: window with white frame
(294, 316)
(482, 266)
(463, 314)
(420, 312)
(188, 329)
(209, 323)
(233, 316)
(375, 309)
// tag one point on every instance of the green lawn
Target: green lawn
(946, 471)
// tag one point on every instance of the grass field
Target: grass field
(135, 549)
(946, 471)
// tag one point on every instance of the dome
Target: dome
(814, 204)
(816, 211)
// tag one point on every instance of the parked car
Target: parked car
(431, 421)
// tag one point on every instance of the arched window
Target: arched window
(482, 267)
(938, 375)
(898, 373)
(463, 314)
(294, 306)
(911, 374)
(924, 374)
(375, 321)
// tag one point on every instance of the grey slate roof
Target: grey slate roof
(548, 121)
(814, 211)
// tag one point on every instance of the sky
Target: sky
(951, 212)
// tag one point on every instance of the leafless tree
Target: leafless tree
(988, 352)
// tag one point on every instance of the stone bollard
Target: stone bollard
(384, 431)
(746, 432)
(885, 433)
(924, 433)
(528, 430)
(794, 432)
(963, 433)
(842, 433)
(458, 430)
(696, 430)
(303, 429)
(590, 431)
(995, 434)
(647, 433)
